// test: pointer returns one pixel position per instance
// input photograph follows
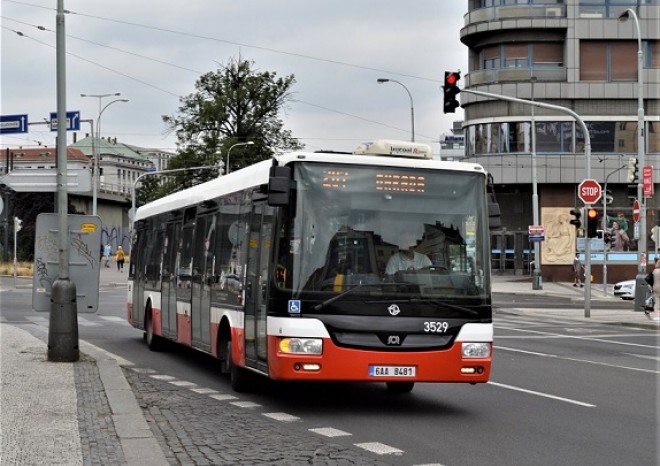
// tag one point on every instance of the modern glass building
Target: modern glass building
(576, 54)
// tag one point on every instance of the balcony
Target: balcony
(498, 13)
(502, 75)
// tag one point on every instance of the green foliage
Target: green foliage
(233, 104)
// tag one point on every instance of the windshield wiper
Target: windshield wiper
(321, 305)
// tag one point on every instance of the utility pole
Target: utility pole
(63, 325)
(587, 168)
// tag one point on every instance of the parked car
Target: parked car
(625, 289)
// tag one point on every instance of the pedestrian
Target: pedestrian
(120, 259)
(106, 254)
(653, 279)
(578, 271)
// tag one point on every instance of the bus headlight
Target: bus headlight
(301, 345)
(475, 350)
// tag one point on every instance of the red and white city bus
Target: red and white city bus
(365, 266)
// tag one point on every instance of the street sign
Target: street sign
(536, 233)
(72, 121)
(44, 180)
(13, 124)
(636, 211)
(589, 191)
(647, 178)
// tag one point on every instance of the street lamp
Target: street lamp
(641, 246)
(249, 143)
(96, 147)
(536, 274)
(412, 107)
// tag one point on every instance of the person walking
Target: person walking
(106, 254)
(120, 259)
(654, 281)
(578, 271)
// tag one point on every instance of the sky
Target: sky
(153, 52)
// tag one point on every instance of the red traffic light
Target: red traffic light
(451, 79)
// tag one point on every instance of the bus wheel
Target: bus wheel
(399, 388)
(154, 342)
(238, 376)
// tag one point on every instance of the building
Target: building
(576, 54)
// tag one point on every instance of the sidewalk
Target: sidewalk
(86, 412)
(621, 314)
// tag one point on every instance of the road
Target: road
(560, 393)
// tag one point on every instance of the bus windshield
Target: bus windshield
(396, 232)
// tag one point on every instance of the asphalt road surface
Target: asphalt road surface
(560, 393)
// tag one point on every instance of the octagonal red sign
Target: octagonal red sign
(589, 191)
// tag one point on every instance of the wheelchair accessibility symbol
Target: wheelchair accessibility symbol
(294, 306)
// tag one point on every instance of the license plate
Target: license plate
(392, 371)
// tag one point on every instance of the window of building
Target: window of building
(604, 8)
(608, 61)
(547, 54)
(651, 50)
(516, 56)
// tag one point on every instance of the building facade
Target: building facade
(579, 55)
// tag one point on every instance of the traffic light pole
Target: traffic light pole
(587, 168)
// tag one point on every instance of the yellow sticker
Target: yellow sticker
(88, 227)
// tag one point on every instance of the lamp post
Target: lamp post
(249, 143)
(605, 224)
(641, 246)
(412, 107)
(96, 146)
(536, 275)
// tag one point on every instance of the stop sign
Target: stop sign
(589, 191)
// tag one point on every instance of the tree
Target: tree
(234, 104)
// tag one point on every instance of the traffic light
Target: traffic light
(18, 224)
(576, 220)
(450, 91)
(655, 235)
(633, 170)
(592, 223)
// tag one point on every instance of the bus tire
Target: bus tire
(399, 388)
(238, 376)
(154, 342)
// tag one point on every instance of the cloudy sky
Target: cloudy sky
(153, 51)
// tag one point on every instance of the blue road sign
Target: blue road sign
(13, 124)
(72, 121)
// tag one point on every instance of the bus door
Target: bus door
(168, 290)
(136, 271)
(203, 264)
(256, 283)
(184, 274)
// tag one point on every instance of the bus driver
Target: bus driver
(408, 258)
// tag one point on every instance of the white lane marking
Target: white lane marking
(87, 323)
(586, 338)
(379, 448)
(283, 417)
(245, 404)
(643, 356)
(183, 383)
(222, 397)
(541, 394)
(585, 361)
(330, 432)
(166, 378)
(119, 320)
(204, 391)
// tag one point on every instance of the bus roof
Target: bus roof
(257, 174)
